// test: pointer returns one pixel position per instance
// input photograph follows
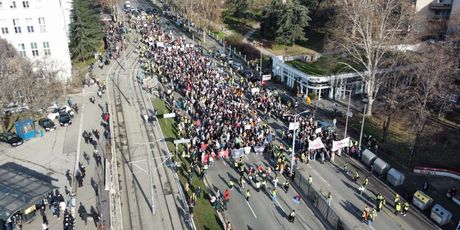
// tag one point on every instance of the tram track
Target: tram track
(132, 215)
(128, 96)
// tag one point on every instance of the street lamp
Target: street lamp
(293, 138)
(362, 125)
(348, 112)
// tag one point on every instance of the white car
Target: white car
(54, 114)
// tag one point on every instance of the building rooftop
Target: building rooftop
(325, 65)
(19, 189)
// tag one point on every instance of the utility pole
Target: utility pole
(362, 127)
(348, 111)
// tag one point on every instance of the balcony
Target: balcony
(440, 6)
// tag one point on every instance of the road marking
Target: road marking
(320, 177)
(253, 213)
(279, 205)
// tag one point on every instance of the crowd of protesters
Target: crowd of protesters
(221, 112)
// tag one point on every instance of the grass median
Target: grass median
(204, 215)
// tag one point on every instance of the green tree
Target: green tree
(85, 30)
(238, 7)
(290, 20)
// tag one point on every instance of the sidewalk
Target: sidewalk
(92, 199)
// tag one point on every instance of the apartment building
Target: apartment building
(39, 31)
(436, 17)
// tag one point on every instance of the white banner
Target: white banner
(247, 126)
(318, 130)
(160, 44)
(247, 150)
(336, 145)
(315, 144)
(169, 115)
(237, 153)
(266, 77)
(293, 125)
(259, 149)
(255, 90)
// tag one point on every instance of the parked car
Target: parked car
(47, 124)
(65, 119)
(54, 114)
(11, 138)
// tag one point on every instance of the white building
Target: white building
(38, 30)
(332, 87)
(437, 16)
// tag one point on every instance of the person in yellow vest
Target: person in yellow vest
(356, 177)
(248, 194)
(396, 199)
(405, 208)
(397, 208)
(365, 182)
(274, 194)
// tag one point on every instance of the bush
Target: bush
(234, 39)
(312, 96)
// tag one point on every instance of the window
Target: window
(46, 48)
(17, 27)
(30, 27)
(4, 30)
(25, 4)
(22, 49)
(13, 4)
(33, 46)
(41, 22)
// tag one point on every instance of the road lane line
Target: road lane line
(253, 213)
(320, 177)
(279, 205)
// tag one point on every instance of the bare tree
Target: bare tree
(432, 79)
(365, 30)
(20, 84)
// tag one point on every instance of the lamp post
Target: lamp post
(362, 126)
(293, 139)
(348, 111)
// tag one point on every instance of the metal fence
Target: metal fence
(318, 201)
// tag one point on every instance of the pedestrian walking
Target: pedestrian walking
(275, 182)
(396, 199)
(310, 180)
(248, 194)
(365, 214)
(291, 216)
(286, 186)
(228, 226)
(365, 182)
(85, 136)
(397, 208)
(96, 134)
(86, 157)
(230, 184)
(242, 182)
(405, 208)
(380, 202)
(329, 198)
(356, 176)
(371, 217)
(274, 193)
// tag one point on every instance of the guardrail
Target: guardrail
(317, 200)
